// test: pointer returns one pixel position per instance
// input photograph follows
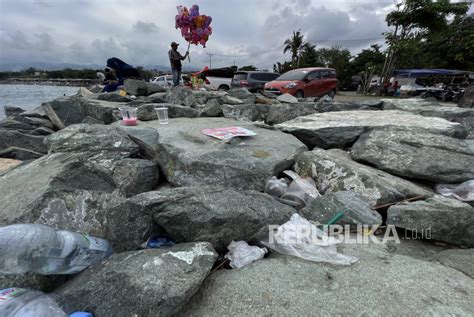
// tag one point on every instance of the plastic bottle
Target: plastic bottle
(20, 302)
(43, 250)
(276, 187)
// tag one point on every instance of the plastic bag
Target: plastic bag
(276, 187)
(463, 191)
(301, 190)
(299, 237)
(241, 254)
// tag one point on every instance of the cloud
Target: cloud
(139, 31)
(144, 27)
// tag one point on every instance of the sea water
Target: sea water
(31, 96)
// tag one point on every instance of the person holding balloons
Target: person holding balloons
(175, 61)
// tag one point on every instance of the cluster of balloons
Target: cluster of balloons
(195, 28)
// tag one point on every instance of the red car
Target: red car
(305, 82)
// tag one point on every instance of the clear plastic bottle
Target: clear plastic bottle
(20, 302)
(43, 250)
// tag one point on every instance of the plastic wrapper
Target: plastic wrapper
(241, 254)
(300, 190)
(463, 191)
(276, 187)
(298, 237)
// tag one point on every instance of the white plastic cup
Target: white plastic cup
(162, 113)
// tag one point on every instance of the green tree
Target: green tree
(295, 46)
(372, 57)
(309, 56)
(282, 68)
(338, 58)
(413, 21)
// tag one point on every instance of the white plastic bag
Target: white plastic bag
(299, 237)
(241, 254)
(463, 191)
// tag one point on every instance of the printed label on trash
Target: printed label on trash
(9, 293)
(228, 132)
(96, 243)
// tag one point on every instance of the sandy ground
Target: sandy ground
(353, 96)
(6, 164)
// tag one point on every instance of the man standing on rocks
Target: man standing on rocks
(175, 61)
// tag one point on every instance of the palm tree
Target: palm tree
(294, 45)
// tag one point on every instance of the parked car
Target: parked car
(217, 83)
(165, 80)
(305, 82)
(252, 80)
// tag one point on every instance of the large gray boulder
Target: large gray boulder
(244, 112)
(212, 108)
(213, 214)
(22, 154)
(180, 96)
(228, 100)
(11, 139)
(459, 259)
(432, 109)
(11, 110)
(288, 286)
(278, 113)
(134, 176)
(101, 110)
(188, 157)
(341, 129)
(357, 209)
(67, 192)
(243, 94)
(325, 105)
(135, 87)
(161, 280)
(333, 171)
(44, 283)
(438, 218)
(43, 177)
(287, 98)
(416, 154)
(102, 143)
(68, 109)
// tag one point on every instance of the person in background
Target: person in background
(175, 61)
(111, 81)
(100, 76)
(396, 89)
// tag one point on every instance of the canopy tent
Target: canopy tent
(415, 73)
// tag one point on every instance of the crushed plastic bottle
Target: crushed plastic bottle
(20, 302)
(43, 250)
(462, 192)
(276, 187)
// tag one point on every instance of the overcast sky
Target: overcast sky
(140, 31)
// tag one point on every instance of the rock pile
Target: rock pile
(84, 171)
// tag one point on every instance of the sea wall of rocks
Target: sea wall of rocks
(72, 165)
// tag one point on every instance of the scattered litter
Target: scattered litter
(40, 249)
(241, 254)
(463, 191)
(299, 237)
(412, 199)
(228, 132)
(21, 302)
(301, 190)
(157, 242)
(276, 187)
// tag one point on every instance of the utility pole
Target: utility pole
(210, 59)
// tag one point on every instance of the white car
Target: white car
(217, 83)
(165, 80)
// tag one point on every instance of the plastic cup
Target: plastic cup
(129, 115)
(162, 113)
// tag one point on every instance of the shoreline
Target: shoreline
(50, 82)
